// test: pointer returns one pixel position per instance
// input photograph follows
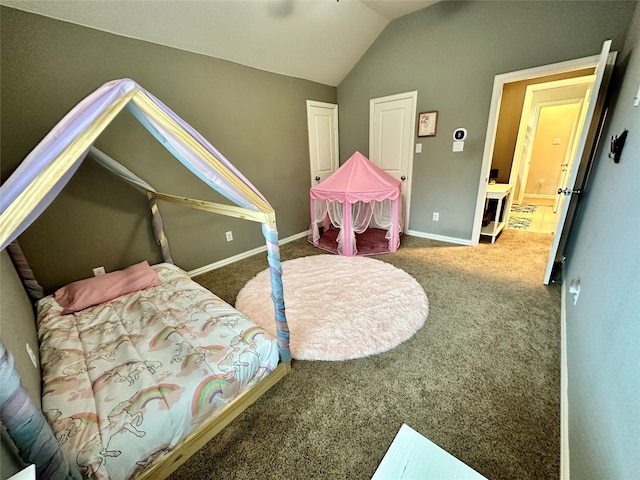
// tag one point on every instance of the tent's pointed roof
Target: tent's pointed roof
(358, 179)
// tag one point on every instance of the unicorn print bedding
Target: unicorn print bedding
(125, 380)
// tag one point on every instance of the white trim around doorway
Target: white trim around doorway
(492, 123)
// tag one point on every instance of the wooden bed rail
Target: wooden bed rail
(166, 465)
(267, 218)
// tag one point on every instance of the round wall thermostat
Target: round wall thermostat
(459, 134)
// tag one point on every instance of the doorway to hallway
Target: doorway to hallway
(599, 65)
(553, 116)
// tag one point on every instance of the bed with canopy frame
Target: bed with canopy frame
(23, 197)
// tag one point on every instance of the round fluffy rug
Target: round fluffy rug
(339, 308)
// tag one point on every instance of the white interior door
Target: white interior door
(392, 126)
(530, 158)
(596, 100)
(536, 96)
(571, 154)
(322, 124)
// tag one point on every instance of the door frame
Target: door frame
(492, 123)
(310, 132)
(532, 103)
(406, 185)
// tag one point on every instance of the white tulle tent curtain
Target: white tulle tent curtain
(319, 218)
(383, 218)
(363, 215)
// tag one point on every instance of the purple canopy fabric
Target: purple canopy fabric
(89, 118)
(28, 428)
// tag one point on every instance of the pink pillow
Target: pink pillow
(92, 291)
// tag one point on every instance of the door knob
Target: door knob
(317, 179)
(403, 178)
(568, 191)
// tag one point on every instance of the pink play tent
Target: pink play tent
(360, 203)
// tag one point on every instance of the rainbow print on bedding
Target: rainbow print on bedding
(126, 380)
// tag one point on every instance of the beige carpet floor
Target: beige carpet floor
(481, 379)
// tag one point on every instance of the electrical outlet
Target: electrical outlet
(436, 217)
(98, 271)
(229, 235)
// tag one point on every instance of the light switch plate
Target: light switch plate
(458, 146)
(418, 148)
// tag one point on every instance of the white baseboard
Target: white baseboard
(564, 388)
(243, 255)
(440, 238)
(282, 241)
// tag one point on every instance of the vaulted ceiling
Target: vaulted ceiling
(318, 40)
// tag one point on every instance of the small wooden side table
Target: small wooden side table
(501, 193)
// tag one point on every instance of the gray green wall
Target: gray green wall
(450, 53)
(256, 119)
(603, 328)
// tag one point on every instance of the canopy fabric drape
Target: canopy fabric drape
(29, 281)
(123, 172)
(28, 428)
(49, 167)
(356, 196)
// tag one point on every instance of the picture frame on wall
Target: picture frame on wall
(427, 122)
